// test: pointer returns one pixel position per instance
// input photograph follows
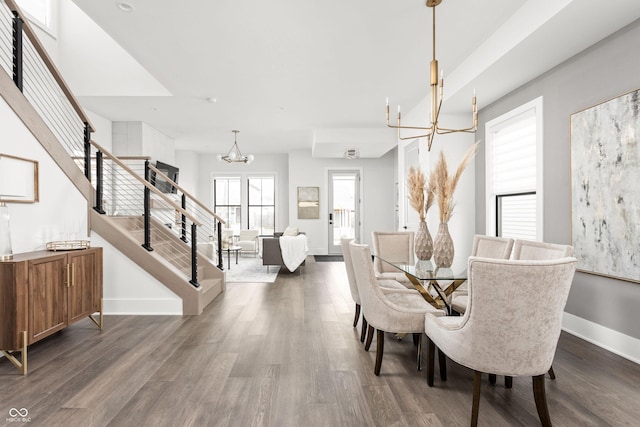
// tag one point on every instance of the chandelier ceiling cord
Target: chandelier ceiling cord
(437, 90)
(234, 155)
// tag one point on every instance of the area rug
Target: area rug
(249, 269)
(328, 258)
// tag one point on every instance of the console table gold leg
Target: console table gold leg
(99, 322)
(22, 366)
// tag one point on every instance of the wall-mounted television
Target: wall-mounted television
(160, 183)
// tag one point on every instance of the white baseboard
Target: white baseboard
(142, 306)
(613, 341)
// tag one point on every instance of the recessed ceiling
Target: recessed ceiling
(284, 70)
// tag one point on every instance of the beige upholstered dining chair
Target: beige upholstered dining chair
(485, 247)
(518, 341)
(399, 311)
(527, 249)
(394, 246)
(353, 287)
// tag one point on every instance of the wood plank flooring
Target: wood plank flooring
(286, 354)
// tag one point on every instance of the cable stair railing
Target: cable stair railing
(124, 190)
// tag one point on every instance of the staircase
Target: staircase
(120, 197)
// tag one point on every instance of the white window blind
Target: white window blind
(512, 159)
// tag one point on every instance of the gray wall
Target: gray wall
(604, 71)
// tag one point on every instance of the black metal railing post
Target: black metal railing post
(17, 50)
(194, 256)
(87, 151)
(99, 183)
(147, 210)
(183, 225)
(220, 264)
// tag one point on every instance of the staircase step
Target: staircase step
(211, 288)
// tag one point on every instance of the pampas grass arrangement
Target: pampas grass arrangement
(416, 183)
(443, 185)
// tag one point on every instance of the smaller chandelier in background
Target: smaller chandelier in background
(234, 155)
(437, 92)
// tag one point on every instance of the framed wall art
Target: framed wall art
(605, 194)
(308, 202)
(18, 179)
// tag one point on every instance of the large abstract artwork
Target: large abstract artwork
(605, 187)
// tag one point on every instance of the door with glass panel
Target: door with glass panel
(344, 207)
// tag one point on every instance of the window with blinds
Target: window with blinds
(512, 173)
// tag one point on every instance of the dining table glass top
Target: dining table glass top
(435, 284)
(427, 270)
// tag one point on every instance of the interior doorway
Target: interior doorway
(344, 207)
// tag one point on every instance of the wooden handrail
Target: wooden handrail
(153, 189)
(120, 157)
(196, 201)
(28, 30)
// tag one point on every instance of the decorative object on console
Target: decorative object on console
(437, 90)
(68, 245)
(423, 242)
(234, 155)
(605, 197)
(444, 186)
(18, 184)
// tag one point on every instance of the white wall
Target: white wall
(209, 167)
(462, 223)
(378, 181)
(128, 289)
(61, 212)
(140, 139)
(595, 303)
(103, 130)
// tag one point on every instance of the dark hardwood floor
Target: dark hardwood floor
(286, 354)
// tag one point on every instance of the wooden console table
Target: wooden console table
(43, 292)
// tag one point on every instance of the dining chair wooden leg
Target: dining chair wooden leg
(367, 345)
(477, 380)
(442, 362)
(379, 351)
(355, 320)
(552, 374)
(431, 350)
(508, 381)
(540, 397)
(492, 379)
(419, 350)
(363, 332)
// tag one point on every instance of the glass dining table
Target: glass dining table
(435, 284)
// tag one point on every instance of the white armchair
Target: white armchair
(248, 241)
(511, 326)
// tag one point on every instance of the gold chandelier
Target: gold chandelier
(437, 90)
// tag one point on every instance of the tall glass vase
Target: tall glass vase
(423, 244)
(443, 247)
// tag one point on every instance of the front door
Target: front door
(344, 207)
